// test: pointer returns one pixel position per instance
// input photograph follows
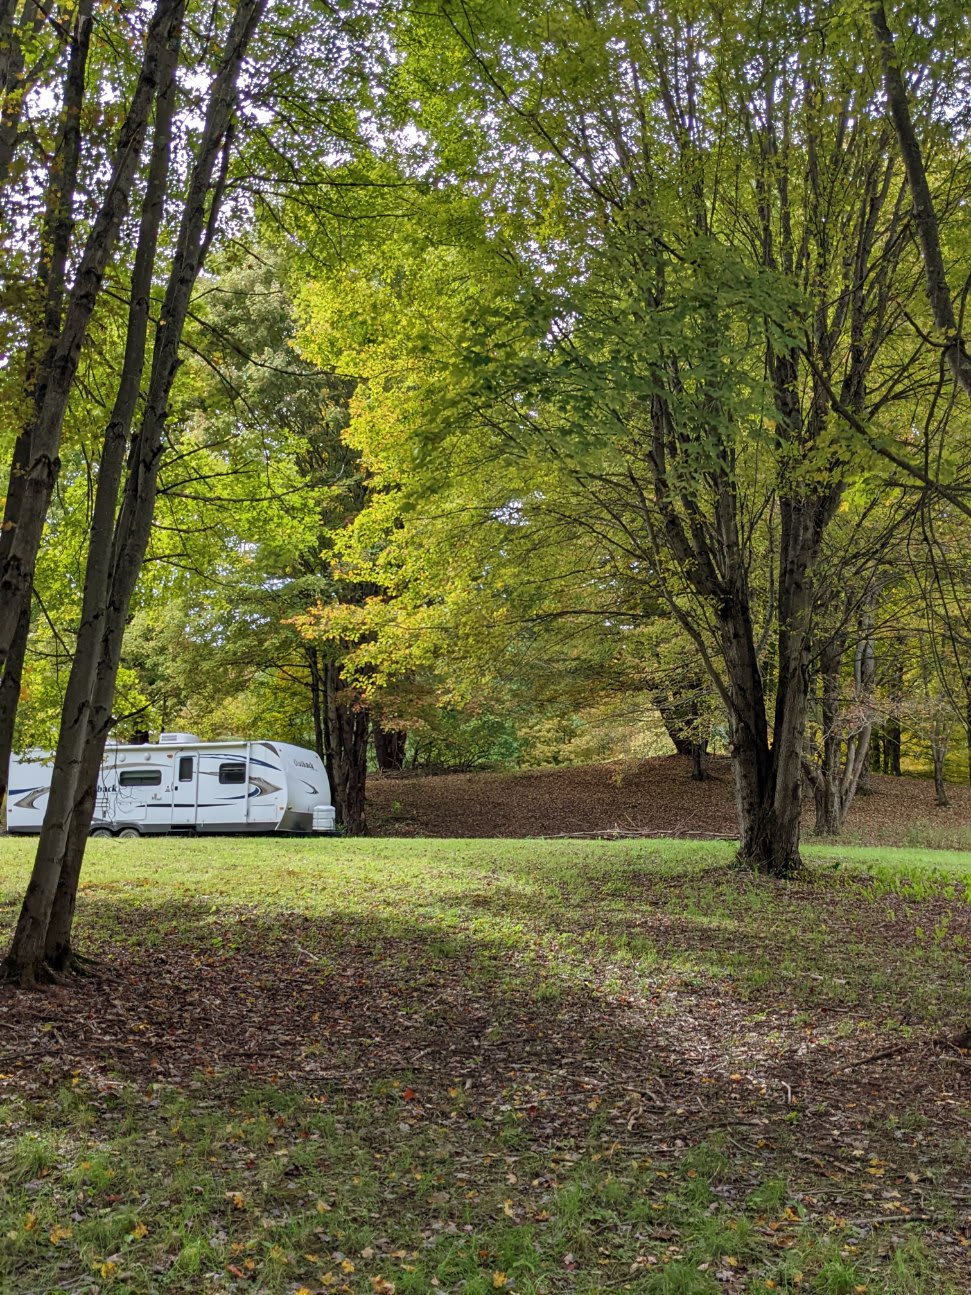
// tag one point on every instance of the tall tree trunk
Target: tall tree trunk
(939, 743)
(348, 724)
(133, 525)
(35, 483)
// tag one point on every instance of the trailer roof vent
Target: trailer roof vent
(176, 739)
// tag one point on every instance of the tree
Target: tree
(699, 289)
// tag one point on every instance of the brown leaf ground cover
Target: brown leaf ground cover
(404, 1066)
(655, 797)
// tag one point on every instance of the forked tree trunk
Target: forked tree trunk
(53, 883)
(76, 712)
(34, 483)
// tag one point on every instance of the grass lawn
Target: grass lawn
(470, 1066)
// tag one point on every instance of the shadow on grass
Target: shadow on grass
(506, 1058)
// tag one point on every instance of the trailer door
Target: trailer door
(185, 789)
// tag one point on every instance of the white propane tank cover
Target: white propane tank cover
(176, 739)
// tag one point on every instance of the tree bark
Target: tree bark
(925, 215)
(13, 87)
(348, 724)
(389, 747)
(10, 695)
(317, 703)
(939, 745)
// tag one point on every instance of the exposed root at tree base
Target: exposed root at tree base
(37, 975)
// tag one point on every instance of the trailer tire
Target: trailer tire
(129, 833)
(101, 831)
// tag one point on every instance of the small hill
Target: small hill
(648, 797)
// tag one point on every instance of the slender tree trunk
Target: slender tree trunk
(10, 695)
(844, 757)
(891, 747)
(13, 87)
(925, 216)
(317, 701)
(939, 745)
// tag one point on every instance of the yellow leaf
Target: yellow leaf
(30, 1222)
(238, 1200)
(323, 1207)
(59, 1234)
(107, 1270)
(382, 1286)
(347, 1266)
(139, 1230)
(498, 1280)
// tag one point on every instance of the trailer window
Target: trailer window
(185, 768)
(140, 777)
(235, 772)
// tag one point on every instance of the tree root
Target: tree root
(37, 975)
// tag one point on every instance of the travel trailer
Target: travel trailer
(180, 784)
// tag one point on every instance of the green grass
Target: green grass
(466, 1066)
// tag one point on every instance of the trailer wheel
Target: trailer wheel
(129, 833)
(101, 831)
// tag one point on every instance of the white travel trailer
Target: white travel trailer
(183, 785)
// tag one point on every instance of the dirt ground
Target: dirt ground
(650, 797)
